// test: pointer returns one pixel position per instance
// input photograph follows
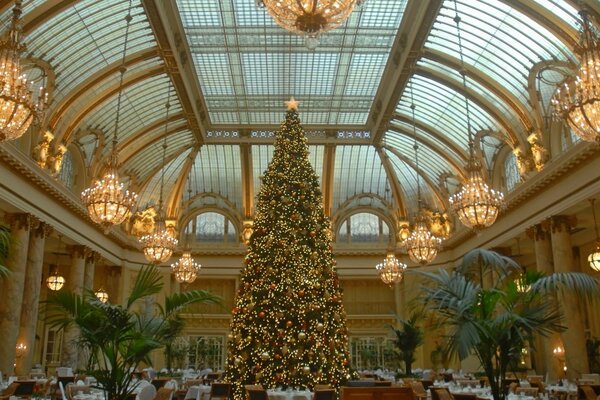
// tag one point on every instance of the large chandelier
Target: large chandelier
(422, 246)
(101, 295)
(18, 109)
(158, 246)
(391, 270)
(476, 204)
(594, 257)
(107, 201)
(578, 101)
(186, 269)
(309, 18)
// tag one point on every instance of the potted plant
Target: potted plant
(117, 338)
(496, 322)
(409, 336)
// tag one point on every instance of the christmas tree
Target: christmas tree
(289, 324)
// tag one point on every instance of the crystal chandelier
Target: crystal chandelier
(422, 246)
(107, 202)
(186, 269)
(522, 286)
(391, 270)
(101, 295)
(309, 18)
(18, 109)
(158, 246)
(476, 204)
(578, 101)
(594, 257)
(55, 281)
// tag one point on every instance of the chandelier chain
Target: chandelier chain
(122, 71)
(164, 152)
(593, 201)
(463, 73)
(415, 146)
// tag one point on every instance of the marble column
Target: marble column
(12, 290)
(90, 270)
(31, 295)
(574, 336)
(546, 362)
(75, 282)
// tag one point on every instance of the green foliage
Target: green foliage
(408, 338)
(6, 240)
(118, 338)
(592, 346)
(496, 322)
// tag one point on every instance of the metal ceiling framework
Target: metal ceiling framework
(232, 67)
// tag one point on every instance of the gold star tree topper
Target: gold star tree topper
(292, 104)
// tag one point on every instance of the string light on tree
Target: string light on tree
(289, 324)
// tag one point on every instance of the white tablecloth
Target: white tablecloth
(198, 392)
(275, 394)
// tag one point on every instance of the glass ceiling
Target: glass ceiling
(247, 66)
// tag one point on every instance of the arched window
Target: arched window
(67, 173)
(511, 172)
(211, 227)
(363, 228)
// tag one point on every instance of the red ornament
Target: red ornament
(301, 293)
(235, 310)
(261, 314)
(313, 233)
(289, 324)
(272, 286)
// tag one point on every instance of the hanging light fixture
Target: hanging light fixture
(391, 270)
(55, 281)
(476, 204)
(309, 18)
(102, 295)
(186, 269)
(107, 202)
(578, 101)
(422, 246)
(18, 109)
(158, 246)
(594, 257)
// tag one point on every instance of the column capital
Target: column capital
(77, 251)
(18, 220)
(91, 256)
(39, 228)
(559, 223)
(539, 231)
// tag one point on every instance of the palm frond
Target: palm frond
(147, 283)
(584, 285)
(481, 261)
(177, 302)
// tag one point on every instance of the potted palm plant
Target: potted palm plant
(496, 321)
(409, 336)
(117, 338)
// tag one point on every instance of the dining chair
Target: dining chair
(72, 390)
(464, 396)
(257, 394)
(164, 394)
(530, 391)
(9, 391)
(440, 394)
(324, 394)
(418, 390)
(220, 391)
(588, 392)
(148, 392)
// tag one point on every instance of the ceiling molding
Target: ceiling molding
(397, 192)
(174, 201)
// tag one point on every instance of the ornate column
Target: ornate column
(546, 362)
(574, 336)
(90, 269)
(12, 290)
(74, 283)
(31, 295)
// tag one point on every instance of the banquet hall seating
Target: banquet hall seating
(164, 394)
(419, 390)
(73, 389)
(527, 391)
(324, 394)
(376, 393)
(220, 391)
(9, 391)
(440, 394)
(148, 392)
(464, 396)
(256, 392)
(588, 392)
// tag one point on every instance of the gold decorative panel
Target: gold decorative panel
(225, 288)
(367, 296)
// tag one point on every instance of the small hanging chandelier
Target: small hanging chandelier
(102, 295)
(391, 270)
(17, 106)
(476, 204)
(186, 269)
(309, 18)
(522, 286)
(55, 281)
(578, 101)
(158, 246)
(422, 246)
(107, 202)
(594, 257)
